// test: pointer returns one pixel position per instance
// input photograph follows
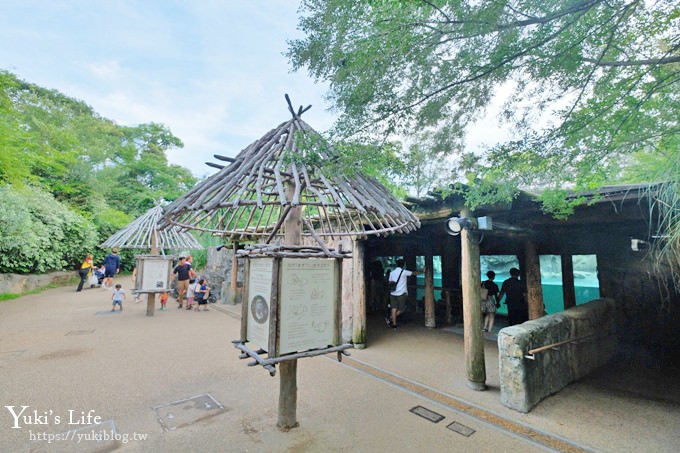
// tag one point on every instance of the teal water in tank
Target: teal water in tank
(586, 288)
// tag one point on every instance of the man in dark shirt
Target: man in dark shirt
(514, 291)
(183, 272)
(111, 268)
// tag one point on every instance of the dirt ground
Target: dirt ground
(87, 379)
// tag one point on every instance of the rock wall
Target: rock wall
(218, 273)
(526, 382)
(15, 283)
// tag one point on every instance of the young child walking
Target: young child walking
(202, 293)
(164, 300)
(117, 297)
(191, 293)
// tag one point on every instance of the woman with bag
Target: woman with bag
(489, 301)
(85, 269)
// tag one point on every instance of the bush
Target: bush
(39, 234)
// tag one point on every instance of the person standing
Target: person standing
(192, 272)
(514, 292)
(111, 268)
(490, 304)
(202, 294)
(164, 301)
(85, 268)
(117, 297)
(183, 273)
(398, 291)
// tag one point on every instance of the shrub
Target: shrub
(39, 234)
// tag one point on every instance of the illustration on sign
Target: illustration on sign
(259, 309)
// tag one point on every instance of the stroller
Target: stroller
(99, 274)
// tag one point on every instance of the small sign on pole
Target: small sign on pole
(153, 273)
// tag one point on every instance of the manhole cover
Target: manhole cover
(80, 332)
(185, 412)
(427, 414)
(461, 429)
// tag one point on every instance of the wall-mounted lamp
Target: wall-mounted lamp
(638, 245)
(456, 224)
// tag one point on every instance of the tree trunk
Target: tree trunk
(568, 289)
(287, 395)
(359, 296)
(234, 276)
(429, 292)
(473, 339)
(151, 297)
(287, 418)
(533, 276)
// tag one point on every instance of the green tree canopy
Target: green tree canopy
(606, 71)
(99, 171)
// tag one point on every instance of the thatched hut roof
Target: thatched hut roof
(252, 195)
(140, 233)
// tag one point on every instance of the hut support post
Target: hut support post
(472, 312)
(359, 296)
(430, 320)
(234, 276)
(151, 297)
(533, 276)
(287, 418)
(568, 289)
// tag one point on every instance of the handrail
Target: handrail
(531, 353)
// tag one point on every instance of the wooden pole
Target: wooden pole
(533, 275)
(473, 339)
(234, 275)
(287, 418)
(151, 297)
(359, 296)
(568, 290)
(430, 320)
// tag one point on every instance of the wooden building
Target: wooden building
(616, 224)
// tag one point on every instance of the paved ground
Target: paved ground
(175, 380)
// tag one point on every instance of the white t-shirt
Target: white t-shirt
(192, 289)
(401, 284)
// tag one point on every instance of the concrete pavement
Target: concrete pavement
(174, 382)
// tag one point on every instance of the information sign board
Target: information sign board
(259, 303)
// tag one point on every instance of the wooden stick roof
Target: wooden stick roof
(140, 232)
(249, 198)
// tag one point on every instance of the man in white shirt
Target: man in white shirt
(398, 294)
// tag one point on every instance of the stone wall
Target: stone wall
(218, 273)
(526, 382)
(16, 284)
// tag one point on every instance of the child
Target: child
(202, 295)
(118, 296)
(191, 293)
(164, 300)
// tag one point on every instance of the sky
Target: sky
(212, 71)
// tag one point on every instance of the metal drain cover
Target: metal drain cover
(427, 414)
(187, 411)
(461, 429)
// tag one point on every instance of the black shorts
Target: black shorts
(109, 273)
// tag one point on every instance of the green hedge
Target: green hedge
(39, 234)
